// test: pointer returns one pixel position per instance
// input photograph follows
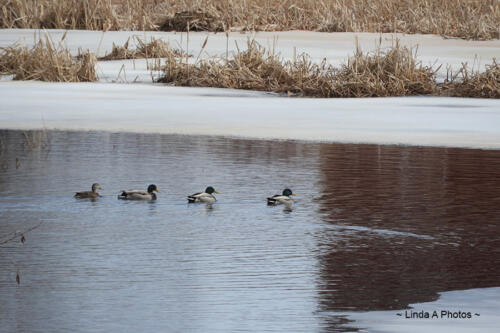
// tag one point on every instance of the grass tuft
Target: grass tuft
(46, 62)
(392, 72)
(466, 83)
(395, 72)
(155, 48)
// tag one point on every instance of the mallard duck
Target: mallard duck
(284, 198)
(140, 194)
(89, 194)
(206, 196)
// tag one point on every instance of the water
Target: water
(373, 228)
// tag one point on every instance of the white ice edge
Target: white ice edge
(483, 301)
(426, 121)
(333, 47)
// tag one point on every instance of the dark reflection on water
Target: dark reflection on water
(375, 227)
(407, 222)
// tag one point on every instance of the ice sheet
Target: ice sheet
(429, 121)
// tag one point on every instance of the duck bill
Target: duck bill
(293, 194)
(157, 190)
(215, 191)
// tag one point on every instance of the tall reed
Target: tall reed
(468, 19)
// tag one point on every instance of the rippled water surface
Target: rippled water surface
(373, 227)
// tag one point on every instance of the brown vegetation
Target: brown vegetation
(193, 20)
(155, 48)
(77, 14)
(46, 62)
(466, 83)
(468, 19)
(394, 72)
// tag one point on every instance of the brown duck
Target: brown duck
(89, 194)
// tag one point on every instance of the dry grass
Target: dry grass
(468, 19)
(254, 69)
(78, 14)
(193, 20)
(393, 72)
(46, 62)
(53, 14)
(467, 83)
(155, 48)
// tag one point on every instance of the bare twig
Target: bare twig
(13, 236)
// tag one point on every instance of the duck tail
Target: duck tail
(191, 199)
(271, 201)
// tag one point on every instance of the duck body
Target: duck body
(283, 198)
(206, 197)
(89, 194)
(140, 194)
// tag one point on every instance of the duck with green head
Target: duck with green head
(89, 194)
(206, 196)
(283, 198)
(140, 194)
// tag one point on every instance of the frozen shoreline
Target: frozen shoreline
(427, 121)
(145, 107)
(432, 50)
(482, 301)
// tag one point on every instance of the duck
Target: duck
(284, 198)
(206, 196)
(89, 194)
(140, 194)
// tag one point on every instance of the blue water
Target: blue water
(373, 227)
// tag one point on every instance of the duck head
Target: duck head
(210, 190)
(96, 187)
(152, 188)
